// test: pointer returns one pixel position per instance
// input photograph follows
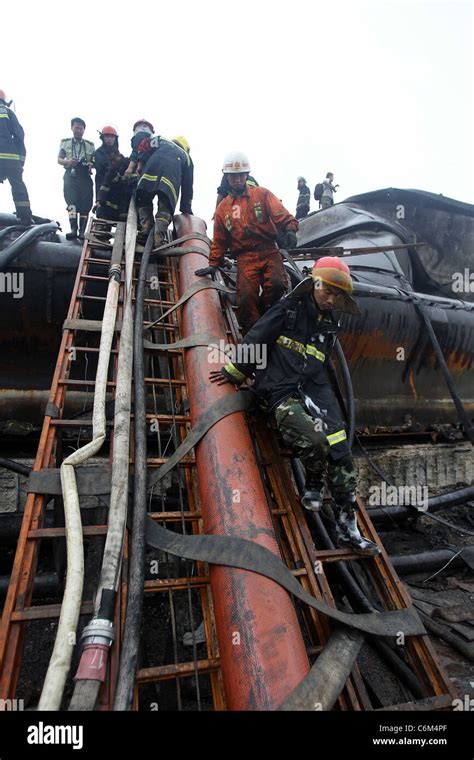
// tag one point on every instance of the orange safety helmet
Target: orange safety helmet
(146, 123)
(108, 130)
(335, 272)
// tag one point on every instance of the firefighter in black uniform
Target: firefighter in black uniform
(167, 170)
(76, 155)
(304, 197)
(109, 137)
(12, 159)
(299, 332)
(113, 196)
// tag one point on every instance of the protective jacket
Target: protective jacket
(101, 165)
(115, 192)
(12, 136)
(302, 206)
(248, 222)
(298, 338)
(168, 170)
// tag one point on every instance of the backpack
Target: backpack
(318, 191)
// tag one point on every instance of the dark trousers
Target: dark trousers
(13, 171)
(78, 192)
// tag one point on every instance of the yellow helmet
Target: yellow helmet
(182, 142)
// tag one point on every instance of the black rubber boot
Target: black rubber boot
(161, 226)
(145, 217)
(73, 234)
(82, 226)
(313, 495)
(347, 531)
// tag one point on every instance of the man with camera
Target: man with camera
(76, 155)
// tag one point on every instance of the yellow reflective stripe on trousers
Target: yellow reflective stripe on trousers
(234, 372)
(171, 186)
(312, 351)
(294, 345)
(10, 156)
(336, 437)
(150, 177)
(112, 205)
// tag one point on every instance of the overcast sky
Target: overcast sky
(380, 93)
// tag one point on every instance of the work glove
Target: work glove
(290, 239)
(205, 271)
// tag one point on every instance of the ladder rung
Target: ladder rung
(175, 584)
(87, 530)
(164, 672)
(45, 611)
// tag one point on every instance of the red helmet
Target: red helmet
(146, 123)
(2, 95)
(332, 262)
(109, 130)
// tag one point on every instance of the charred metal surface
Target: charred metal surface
(446, 225)
(34, 299)
(394, 370)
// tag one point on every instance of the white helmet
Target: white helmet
(235, 163)
(300, 179)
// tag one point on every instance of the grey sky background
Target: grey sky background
(379, 93)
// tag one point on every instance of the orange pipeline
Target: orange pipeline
(262, 652)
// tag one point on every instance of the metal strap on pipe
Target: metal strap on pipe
(196, 287)
(238, 552)
(236, 402)
(233, 551)
(200, 339)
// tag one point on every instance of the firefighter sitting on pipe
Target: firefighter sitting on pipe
(299, 332)
(248, 222)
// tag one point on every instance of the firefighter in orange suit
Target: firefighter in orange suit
(247, 223)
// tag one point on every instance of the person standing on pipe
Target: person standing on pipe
(248, 222)
(12, 159)
(299, 333)
(76, 155)
(109, 137)
(304, 198)
(167, 170)
(114, 194)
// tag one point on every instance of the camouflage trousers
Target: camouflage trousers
(301, 434)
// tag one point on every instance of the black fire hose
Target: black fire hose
(136, 577)
(24, 241)
(14, 228)
(347, 380)
(451, 499)
(421, 311)
(9, 464)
